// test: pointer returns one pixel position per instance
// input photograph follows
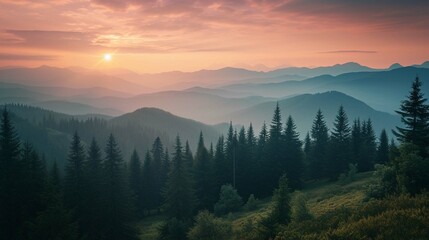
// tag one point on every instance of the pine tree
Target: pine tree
(415, 116)
(93, 213)
(33, 182)
(293, 155)
(318, 154)
(164, 171)
(74, 182)
(357, 141)
(340, 145)
(230, 154)
(118, 207)
(136, 180)
(383, 148)
(274, 149)
(148, 187)
(157, 154)
(55, 221)
(189, 158)
(369, 148)
(262, 187)
(179, 194)
(10, 174)
(203, 176)
(307, 145)
(221, 176)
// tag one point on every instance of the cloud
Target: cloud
(19, 57)
(381, 13)
(349, 51)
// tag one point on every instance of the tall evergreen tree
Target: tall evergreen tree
(148, 186)
(157, 154)
(318, 154)
(164, 171)
(136, 180)
(33, 183)
(74, 182)
(203, 176)
(242, 164)
(357, 141)
(189, 158)
(93, 212)
(369, 148)
(10, 220)
(262, 186)
(383, 148)
(55, 221)
(220, 164)
(274, 149)
(415, 116)
(340, 145)
(118, 207)
(230, 154)
(293, 155)
(179, 194)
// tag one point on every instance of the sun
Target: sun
(107, 57)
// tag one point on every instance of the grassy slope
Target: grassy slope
(322, 197)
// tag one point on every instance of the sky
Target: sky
(188, 35)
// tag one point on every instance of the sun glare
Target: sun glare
(107, 57)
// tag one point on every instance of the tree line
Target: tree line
(100, 195)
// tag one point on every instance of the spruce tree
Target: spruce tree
(33, 182)
(179, 194)
(118, 212)
(221, 176)
(230, 154)
(136, 180)
(148, 186)
(274, 149)
(10, 173)
(340, 145)
(74, 182)
(318, 154)
(93, 213)
(262, 187)
(356, 141)
(189, 158)
(415, 116)
(293, 155)
(158, 155)
(383, 148)
(369, 148)
(203, 177)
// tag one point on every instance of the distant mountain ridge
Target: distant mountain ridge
(303, 109)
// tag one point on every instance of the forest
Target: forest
(101, 194)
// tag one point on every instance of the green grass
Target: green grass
(323, 196)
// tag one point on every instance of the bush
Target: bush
(252, 203)
(348, 177)
(173, 229)
(386, 182)
(229, 201)
(208, 227)
(300, 210)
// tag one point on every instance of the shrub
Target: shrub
(173, 229)
(229, 200)
(208, 227)
(300, 210)
(252, 203)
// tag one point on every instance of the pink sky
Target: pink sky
(188, 35)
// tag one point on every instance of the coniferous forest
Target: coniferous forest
(249, 184)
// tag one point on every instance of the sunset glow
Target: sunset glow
(107, 57)
(158, 36)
